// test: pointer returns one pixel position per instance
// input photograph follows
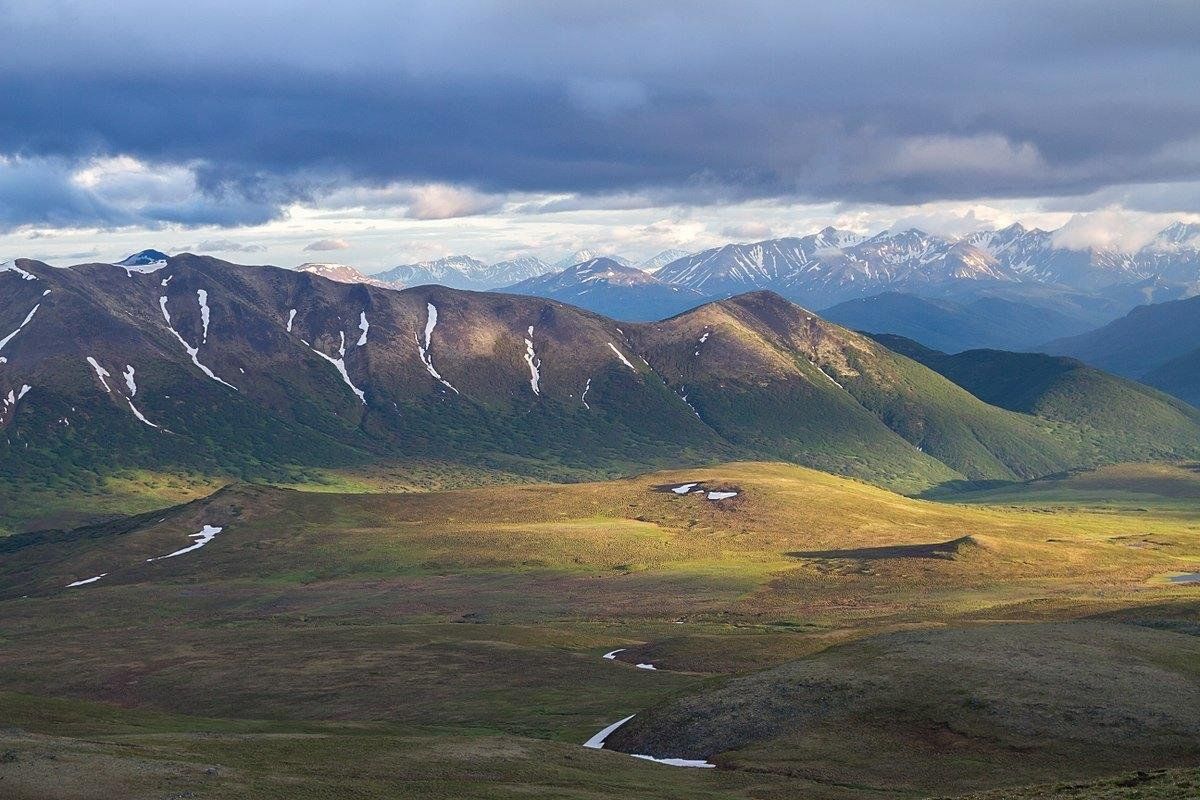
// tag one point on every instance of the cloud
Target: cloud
(118, 192)
(322, 245)
(445, 110)
(1109, 229)
(604, 98)
(743, 231)
(438, 201)
(227, 246)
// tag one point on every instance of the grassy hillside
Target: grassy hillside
(1179, 377)
(1115, 417)
(946, 710)
(451, 642)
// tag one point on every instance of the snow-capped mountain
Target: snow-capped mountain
(587, 254)
(343, 273)
(606, 286)
(504, 273)
(457, 272)
(657, 262)
(1171, 258)
(832, 266)
(144, 258)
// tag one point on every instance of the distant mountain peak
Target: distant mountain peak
(342, 273)
(143, 258)
(587, 254)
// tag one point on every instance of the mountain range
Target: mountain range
(832, 266)
(608, 287)
(1157, 344)
(204, 367)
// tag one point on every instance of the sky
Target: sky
(379, 133)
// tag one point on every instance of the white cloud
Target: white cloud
(224, 246)
(441, 201)
(983, 154)
(743, 231)
(1109, 229)
(322, 245)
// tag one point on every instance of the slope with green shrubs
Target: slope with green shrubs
(1116, 419)
(219, 371)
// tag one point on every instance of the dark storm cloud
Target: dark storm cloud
(705, 102)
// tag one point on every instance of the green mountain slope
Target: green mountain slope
(212, 371)
(1140, 342)
(1116, 419)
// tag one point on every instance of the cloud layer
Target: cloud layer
(145, 113)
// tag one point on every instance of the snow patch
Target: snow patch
(291, 318)
(612, 654)
(137, 413)
(597, 743)
(166, 280)
(11, 266)
(339, 364)
(202, 296)
(534, 363)
(646, 666)
(9, 338)
(194, 352)
(86, 581)
(24, 391)
(206, 535)
(129, 381)
(426, 357)
(721, 495)
(583, 397)
(363, 326)
(621, 356)
(684, 488)
(101, 372)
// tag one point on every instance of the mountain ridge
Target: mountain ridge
(215, 368)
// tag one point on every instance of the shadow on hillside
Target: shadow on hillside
(942, 550)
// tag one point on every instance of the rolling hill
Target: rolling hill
(1122, 416)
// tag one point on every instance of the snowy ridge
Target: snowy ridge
(11, 266)
(194, 352)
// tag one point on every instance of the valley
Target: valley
(261, 523)
(455, 642)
